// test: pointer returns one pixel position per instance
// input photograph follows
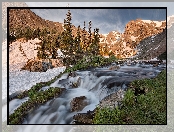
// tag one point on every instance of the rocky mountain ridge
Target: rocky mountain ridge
(123, 45)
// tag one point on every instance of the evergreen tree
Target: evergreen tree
(41, 54)
(77, 46)
(84, 39)
(67, 41)
(89, 37)
(95, 47)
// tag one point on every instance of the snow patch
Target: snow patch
(158, 23)
(24, 80)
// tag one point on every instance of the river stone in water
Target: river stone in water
(84, 118)
(112, 100)
(78, 103)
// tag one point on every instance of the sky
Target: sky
(105, 19)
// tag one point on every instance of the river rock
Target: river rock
(72, 74)
(84, 118)
(76, 84)
(78, 103)
(112, 100)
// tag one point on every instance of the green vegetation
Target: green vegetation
(74, 46)
(79, 46)
(91, 62)
(144, 103)
(36, 98)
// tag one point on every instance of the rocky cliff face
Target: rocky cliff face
(125, 45)
(152, 47)
(22, 18)
(4, 15)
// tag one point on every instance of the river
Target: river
(95, 84)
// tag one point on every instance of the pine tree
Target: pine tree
(89, 37)
(84, 39)
(41, 54)
(77, 46)
(67, 41)
(95, 47)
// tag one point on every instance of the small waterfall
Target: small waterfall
(94, 84)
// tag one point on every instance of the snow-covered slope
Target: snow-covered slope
(20, 52)
(22, 80)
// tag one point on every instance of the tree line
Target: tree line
(74, 47)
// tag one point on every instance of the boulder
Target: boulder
(37, 66)
(84, 118)
(78, 103)
(112, 100)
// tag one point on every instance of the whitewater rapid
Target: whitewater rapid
(94, 84)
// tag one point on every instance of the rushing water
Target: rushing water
(94, 84)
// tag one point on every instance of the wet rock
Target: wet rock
(112, 100)
(72, 74)
(84, 118)
(155, 65)
(117, 81)
(150, 74)
(76, 84)
(78, 103)
(63, 81)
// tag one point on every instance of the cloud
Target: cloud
(105, 19)
(169, 5)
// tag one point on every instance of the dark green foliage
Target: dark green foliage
(83, 45)
(66, 42)
(42, 50)
(36, 98)
(148, 107)
(90, 62)
(108, 116)
(94, 47)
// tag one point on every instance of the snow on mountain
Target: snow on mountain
(158, 23)
(123, 45)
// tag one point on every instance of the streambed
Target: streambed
(94, 84)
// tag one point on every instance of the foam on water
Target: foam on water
(94, 85)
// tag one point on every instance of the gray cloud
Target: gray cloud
(106, 20)
(169, 5)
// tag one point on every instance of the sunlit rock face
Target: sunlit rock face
(124, 45)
